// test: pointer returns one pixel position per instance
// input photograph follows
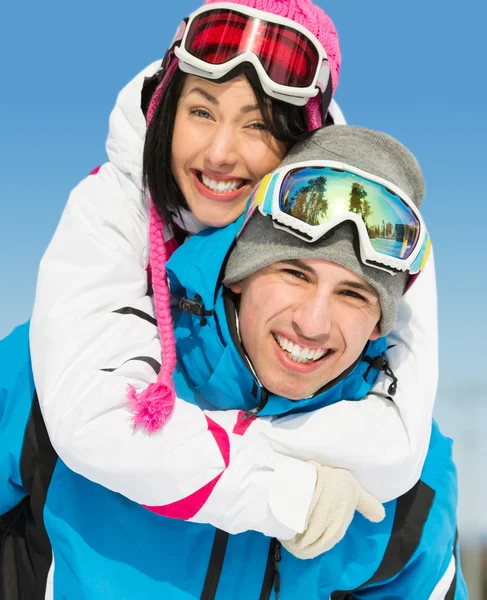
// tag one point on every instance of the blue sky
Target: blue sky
(415, 70)
(411, 71)
(408, 69)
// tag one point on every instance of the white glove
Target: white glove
(336, 497)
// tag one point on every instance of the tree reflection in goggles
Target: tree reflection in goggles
(315, 195)
(287, 56)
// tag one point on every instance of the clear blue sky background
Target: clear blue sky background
(413, 69)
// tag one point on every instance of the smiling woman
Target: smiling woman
(221, 147)
(227, 131)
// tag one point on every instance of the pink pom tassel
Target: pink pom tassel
(151, 407)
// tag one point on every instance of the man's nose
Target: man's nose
(222, 148)
(313, 317)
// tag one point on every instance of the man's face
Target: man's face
(303, 322)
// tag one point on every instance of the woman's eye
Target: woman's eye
(258, 126)
(200, 112)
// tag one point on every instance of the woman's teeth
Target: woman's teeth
(298, 353)
(222, 187)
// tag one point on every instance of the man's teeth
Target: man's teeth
(298, 353)
(221, 187)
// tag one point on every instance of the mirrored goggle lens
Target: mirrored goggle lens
(288, 57)
(315, 195)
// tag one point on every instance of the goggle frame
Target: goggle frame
(297, 96)
(266, 197)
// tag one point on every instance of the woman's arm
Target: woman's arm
(92, 335)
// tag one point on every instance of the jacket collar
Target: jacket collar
(211, 358)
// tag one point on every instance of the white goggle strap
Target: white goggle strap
(176, 41)
(178, 36)
(324, 84)
(326, 98)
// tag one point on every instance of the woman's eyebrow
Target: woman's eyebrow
(245, 109)
(205, 94)
(249, 108)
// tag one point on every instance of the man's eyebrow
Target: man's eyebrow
(358, 285)
(245, 109)
(295, 262)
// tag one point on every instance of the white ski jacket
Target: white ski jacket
(91, 336)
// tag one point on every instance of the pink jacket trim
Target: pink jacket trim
(186, 508)
(95, 170)
(243, 423)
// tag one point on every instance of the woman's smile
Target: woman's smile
(220, 188)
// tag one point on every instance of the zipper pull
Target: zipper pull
(382, 364)
(251, 413)
(195, 307)
(277, 574)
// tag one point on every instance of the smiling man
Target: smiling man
(322, 303)
(315, 323)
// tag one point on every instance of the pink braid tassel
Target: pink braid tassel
(151, 407)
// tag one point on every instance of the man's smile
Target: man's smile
(299, 359)
(300, 354)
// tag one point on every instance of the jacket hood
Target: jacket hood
(127, 126)
(212, 367)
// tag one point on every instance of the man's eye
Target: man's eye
(353, 294)
(296, 274)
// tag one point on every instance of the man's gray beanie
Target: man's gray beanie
(261, 244)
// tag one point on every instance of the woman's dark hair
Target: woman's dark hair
(287, 123)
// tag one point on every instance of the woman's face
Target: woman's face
(220, 148)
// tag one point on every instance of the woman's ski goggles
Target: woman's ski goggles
(291, 63)
(311, 198)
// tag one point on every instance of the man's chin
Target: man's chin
(280, 377)
(290, 390)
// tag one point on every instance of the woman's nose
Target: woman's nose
(221, 151)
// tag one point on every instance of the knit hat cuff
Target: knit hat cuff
(262, 245)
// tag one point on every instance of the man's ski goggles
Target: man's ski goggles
(291, 63)
(311, 198)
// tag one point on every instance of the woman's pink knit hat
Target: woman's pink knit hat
(153, 406)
